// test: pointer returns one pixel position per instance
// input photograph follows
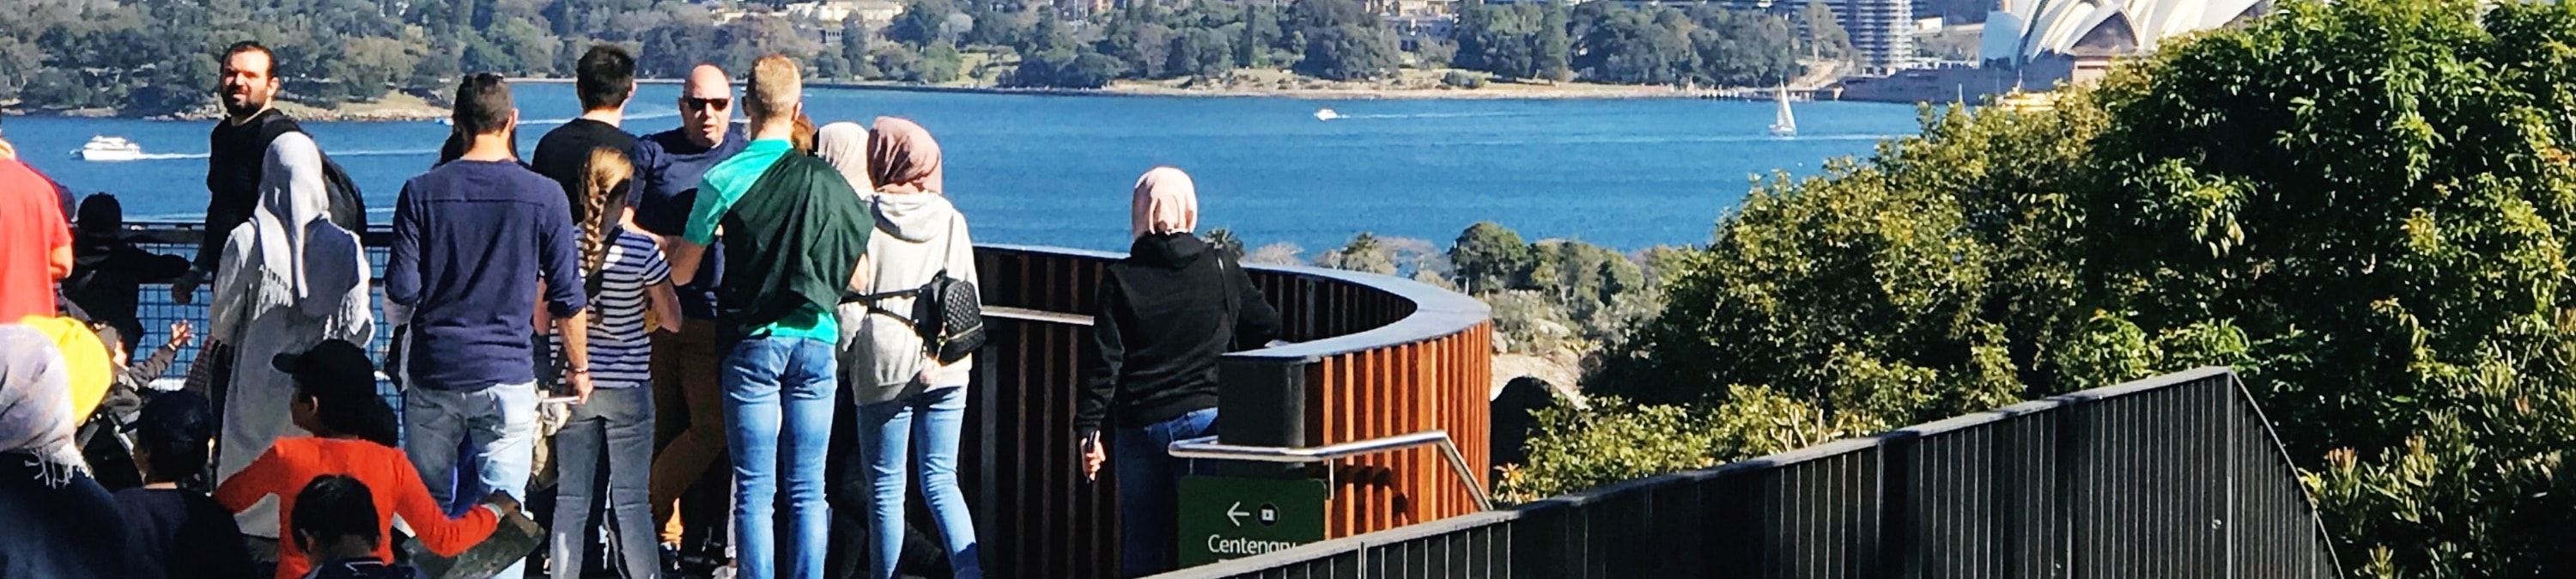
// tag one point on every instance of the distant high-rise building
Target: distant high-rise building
(1881, 30)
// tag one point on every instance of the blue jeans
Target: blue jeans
(617, 426)
(1149, 481)
(932, 418)
(497, 426)
(778, 411)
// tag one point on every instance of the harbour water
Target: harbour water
(1054, 170)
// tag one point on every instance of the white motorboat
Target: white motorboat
(1326, 114)
(106, 148)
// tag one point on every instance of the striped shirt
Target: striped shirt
(621, 345)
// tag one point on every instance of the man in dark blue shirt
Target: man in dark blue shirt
(688, 401)
(474, 240)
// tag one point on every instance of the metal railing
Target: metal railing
(1373, 356)
(2170, 477)
(1382, 350)
(1207, 448)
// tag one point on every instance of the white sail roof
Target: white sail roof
(2022, 29)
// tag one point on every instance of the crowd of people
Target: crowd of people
(771, 294)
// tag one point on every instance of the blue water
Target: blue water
(1057, 170)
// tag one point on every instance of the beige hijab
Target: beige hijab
(1166, 202)
(845, 146)
(902, 158)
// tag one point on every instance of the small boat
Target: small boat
(106, 148)
(1326, 114)
(1785, 125)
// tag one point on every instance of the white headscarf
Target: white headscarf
(292, 195)
(35, 397)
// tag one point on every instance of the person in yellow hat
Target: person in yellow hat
(84, 356)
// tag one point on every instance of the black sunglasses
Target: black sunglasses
(695, 103)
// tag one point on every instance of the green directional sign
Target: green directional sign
(1227, 517)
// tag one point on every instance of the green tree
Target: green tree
(1490, 258)
(56, 88)
(1825, 36)
(829, 65)
(1349, 52)
(1260, 32)
(1049, 34)
(439, 67)
(20, 62)
(939, 63)
(372, 66)
(1065, 68)
(994, 25)
(1225, 241)
(524, 45)
(679, 44)
(1473, 19)
(744, 40)
(1435, 53)
(855, 36)
(1201, 52)
(923, 22)
(1552, 56)
(1144, 45)
(1742, 48)
(1629, 46)
(1364, 253)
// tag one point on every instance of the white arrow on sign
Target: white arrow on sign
(1235, 513)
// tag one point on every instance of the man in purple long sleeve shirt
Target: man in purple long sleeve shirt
(472, 240)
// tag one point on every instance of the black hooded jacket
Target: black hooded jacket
(1166, 313)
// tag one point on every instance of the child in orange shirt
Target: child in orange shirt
(353, 435)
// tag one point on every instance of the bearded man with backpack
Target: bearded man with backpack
(237, 148)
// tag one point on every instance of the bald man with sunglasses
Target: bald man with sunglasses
(689, 429)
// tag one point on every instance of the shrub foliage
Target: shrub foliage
(2364, 207)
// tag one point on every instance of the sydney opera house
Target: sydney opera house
(2036, 44)
(2020, 31)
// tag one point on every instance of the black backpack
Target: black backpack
(348, 205)
(947, 312)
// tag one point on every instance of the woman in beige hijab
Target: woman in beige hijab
(1166, 313)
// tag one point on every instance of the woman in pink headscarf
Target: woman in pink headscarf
(905, 395)
(1166, 312)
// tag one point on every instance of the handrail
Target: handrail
(1207, 448)
(1030, 315)
(2028, 504)
(1437, 312)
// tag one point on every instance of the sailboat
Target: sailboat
(1786, 125)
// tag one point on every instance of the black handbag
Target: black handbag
(948, 313)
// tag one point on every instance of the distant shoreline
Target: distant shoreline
(402, 107)
(396, 107)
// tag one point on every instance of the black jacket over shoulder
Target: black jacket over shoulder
(1166, 313)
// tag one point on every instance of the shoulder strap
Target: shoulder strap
(1231, 271)
(948, 249)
